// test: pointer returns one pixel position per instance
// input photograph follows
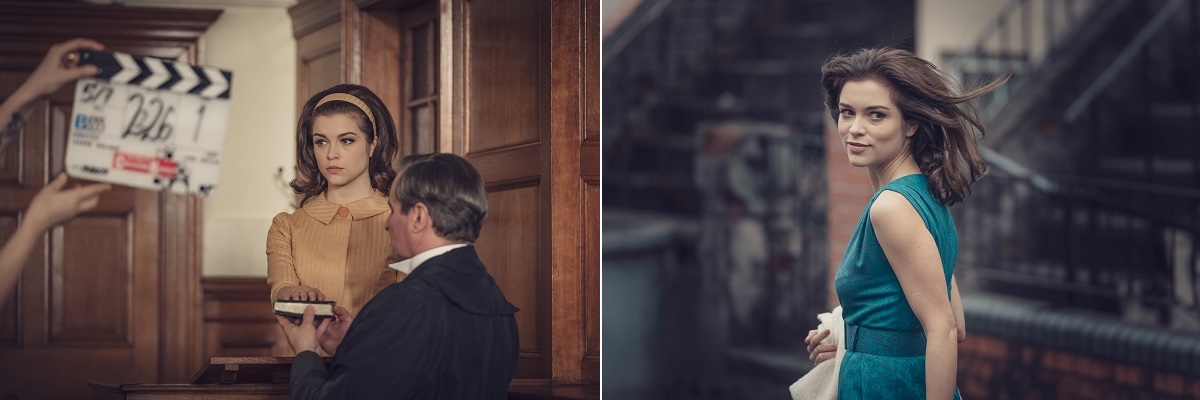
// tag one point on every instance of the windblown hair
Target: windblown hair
(451, 189)
(946, 143)
(309, 181)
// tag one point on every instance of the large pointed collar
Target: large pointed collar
(324, 210)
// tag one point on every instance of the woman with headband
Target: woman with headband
(335, 247)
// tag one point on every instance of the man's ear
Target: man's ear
(420, 218)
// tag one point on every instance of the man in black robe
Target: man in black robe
(446, 331)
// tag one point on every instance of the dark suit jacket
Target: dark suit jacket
(445, 332)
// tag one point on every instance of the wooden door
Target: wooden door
(527, 115)
(112, 294)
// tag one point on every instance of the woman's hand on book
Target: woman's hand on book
(303, 293)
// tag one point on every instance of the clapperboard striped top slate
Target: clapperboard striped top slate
(157, 74)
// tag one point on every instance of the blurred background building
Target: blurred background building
(728, 200)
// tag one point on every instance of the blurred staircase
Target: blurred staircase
(1094, 198)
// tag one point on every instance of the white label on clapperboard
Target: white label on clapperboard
(150, 124)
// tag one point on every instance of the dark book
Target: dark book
(295, 308)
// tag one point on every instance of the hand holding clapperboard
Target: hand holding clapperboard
(149, 123)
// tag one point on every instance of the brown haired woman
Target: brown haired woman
(335, 246)
(898, 117)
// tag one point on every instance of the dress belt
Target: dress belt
(884, 343)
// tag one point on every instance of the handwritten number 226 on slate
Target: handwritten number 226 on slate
(142, 123)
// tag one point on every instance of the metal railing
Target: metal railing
(1123, 60)
(1118, 247)
(1022, 36)
(1117, 230)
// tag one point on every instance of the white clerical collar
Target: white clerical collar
(407, 266)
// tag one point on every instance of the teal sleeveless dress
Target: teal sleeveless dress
(885, 343)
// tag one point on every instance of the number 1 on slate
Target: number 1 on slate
(199, 121)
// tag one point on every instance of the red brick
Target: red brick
(1050, 360)
(859, 193)
(1168, 383)
(989, 347)
(1070, 362)
(1194, 389)
(846, 212)
(1126, 375)
(1092, 369)
(1027, 355)
(1070, 387)
(1086, 390)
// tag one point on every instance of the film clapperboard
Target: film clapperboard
(149, 123)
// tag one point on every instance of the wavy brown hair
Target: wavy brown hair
(946, 144)
(309, 181)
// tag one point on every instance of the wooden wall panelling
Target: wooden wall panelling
(381, 60)
(11, 158)
(318, 28)
(91, 293)
(561, 158)
(238, 321)
(450, 64)
(506, 74)
(589, 169)
(12, 204)
(84, 309)
(9, 323)
(509, 248)
(70, 323)
(336, 42)
(589, 368)
(589, 27)
(181, 222)
(352, 28)
(419, 70)
(562, 166)
(155, 31)
(504, 120)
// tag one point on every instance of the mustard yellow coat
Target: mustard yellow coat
(341, 249)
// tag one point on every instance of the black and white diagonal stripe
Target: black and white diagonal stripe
(158, 74)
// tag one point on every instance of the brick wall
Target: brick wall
(993, 368)
(849, 191)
